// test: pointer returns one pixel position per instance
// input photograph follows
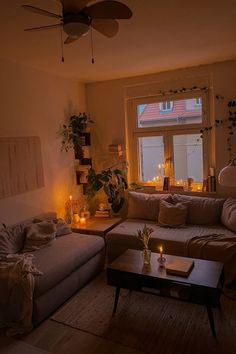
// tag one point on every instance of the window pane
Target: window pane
(151, 157)
(178, 112)
(188, 157)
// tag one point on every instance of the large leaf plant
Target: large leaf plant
(114, 184)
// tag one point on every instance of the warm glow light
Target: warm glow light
(76, 218)
(82, 221)
(70, 197)
(161, 251)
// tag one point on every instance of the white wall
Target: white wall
(34, 103)
(106, 102)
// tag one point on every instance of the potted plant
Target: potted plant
(113, 182)
(71, 133)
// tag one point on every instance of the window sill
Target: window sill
(152, 190)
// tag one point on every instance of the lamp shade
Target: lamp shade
(227, 176)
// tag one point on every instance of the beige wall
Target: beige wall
(36, 103)
(106, 102)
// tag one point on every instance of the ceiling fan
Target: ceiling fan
(77, 18)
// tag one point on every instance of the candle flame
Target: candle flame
(161, 249)
(70, 197)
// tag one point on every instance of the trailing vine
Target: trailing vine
(182, 90)
(230, 122)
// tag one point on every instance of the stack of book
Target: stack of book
(181, 267)
(102, 213)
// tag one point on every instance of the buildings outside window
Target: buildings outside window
(166, 106)
(168, 144)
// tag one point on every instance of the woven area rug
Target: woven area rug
(150, 323)
(12, 346)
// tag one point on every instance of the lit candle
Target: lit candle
(82, 221)
(161, 251)
(71, 208)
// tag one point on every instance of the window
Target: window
(198, 101)
(167, 144)
(166, 106)
(151, 155)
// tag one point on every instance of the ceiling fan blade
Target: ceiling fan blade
(71, 39)
(39, 11)
(109, 10)
(42, 27)
(108, 28)
(73, 5)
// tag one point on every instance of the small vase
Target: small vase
(146, 256)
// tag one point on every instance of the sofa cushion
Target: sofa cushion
(62, 257)
(202, 210)
(172, 215)
(145, 206)
(39, 235)
(12, 239)
(173, 240)
(228, 216)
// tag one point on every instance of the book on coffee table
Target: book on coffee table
(180, 267)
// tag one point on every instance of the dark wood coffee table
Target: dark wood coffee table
(202, 286)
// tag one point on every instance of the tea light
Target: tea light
(82, 221)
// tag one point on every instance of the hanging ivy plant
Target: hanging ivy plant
(230, 122)
(71, 133)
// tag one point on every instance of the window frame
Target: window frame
(166, 109)
(133, 132)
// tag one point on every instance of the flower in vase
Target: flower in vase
(144, 235)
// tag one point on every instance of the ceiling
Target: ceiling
(162, 35)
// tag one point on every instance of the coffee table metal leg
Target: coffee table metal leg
(211, 320)
(116, 299)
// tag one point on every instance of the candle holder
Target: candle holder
(162, 261)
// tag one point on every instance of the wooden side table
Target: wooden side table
(96, 226)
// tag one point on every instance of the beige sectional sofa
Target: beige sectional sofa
(67, 264)
(209, 230)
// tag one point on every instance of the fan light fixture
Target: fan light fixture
(227, 176)
(76, 29)
(76, 25)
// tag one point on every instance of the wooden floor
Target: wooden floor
(56, 338)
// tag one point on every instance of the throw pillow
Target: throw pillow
(39, 235)
(61, 227)
(12, 239)
(145, 206)
(2, 226)
(172, 215)
(202, 210)
(228, 216)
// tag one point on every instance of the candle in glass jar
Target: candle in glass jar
(76, 218)
(82, 221)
